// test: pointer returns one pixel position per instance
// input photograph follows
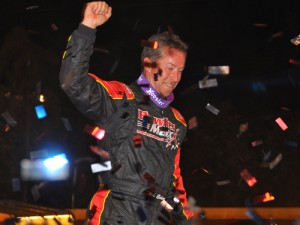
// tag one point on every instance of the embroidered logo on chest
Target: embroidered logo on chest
(161, 129)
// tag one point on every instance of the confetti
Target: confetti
(32, 7)
(281, 123)
(193, 123)
(6, 128)
(35, 190)
(96, 132)
(137, 140)
(38, 154)
(150, 44)
(141, 214)
(145, 100)
(266, 197)
(277, 35)
(275, 161)
(218, 70)
(267, 156)
(296, 40)
(201, 169)
(208, 83)
(257, 143)
(149, 178)
(260, 25)
(202, 215)
(251, 181)
(97, 150)
(9, 119)
(40, 111)
(42, 98)
(252, 215)
(7, 94)
(54, 27)
(291, 143)
(16, 185)
(243, 128)
(66, 123)
(100, 167)
(295, 62)
(212, 109)
(223, 182)
(116, 167)
(38, 88)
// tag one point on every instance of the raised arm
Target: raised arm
(86, 92)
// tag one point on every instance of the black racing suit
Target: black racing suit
(143, 141)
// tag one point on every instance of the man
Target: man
(143, 134)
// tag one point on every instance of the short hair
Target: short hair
(164, 39)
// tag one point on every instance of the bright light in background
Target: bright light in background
(54, 168)
(55, 162)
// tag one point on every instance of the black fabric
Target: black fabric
(142, 153)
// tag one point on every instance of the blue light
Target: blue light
(56, 162)
(40, 111)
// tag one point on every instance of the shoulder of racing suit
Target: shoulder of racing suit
(115, 89)
(178, 116)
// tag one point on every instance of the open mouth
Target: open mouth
(170, 86)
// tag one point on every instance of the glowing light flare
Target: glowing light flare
(281, 123)
(55, 162)
(251, 181)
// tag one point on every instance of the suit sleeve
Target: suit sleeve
(181, 214)
(84, 90)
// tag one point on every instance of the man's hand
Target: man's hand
(96, 13)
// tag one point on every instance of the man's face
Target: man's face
(168, 69)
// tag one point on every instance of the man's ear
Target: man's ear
(148, 64)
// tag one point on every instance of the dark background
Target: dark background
(252, 37)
